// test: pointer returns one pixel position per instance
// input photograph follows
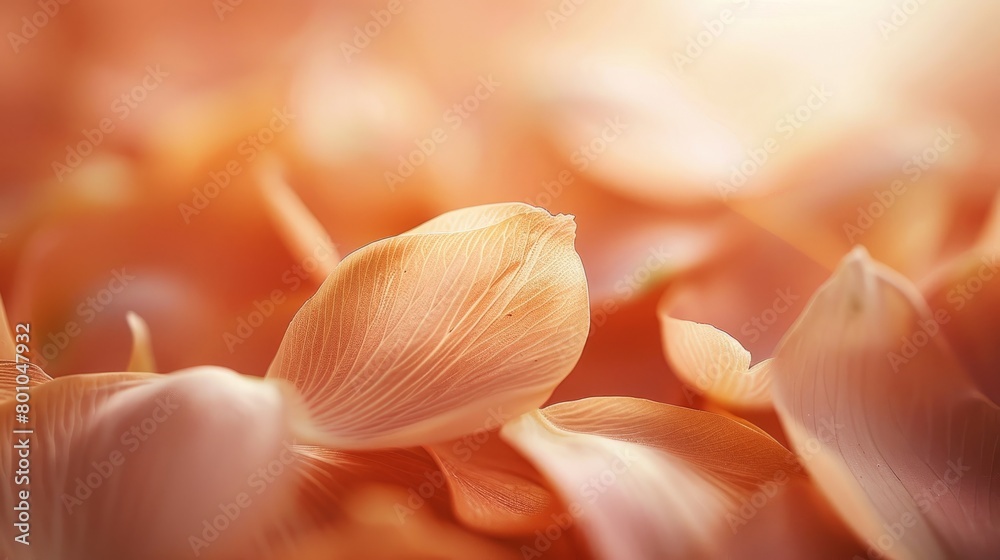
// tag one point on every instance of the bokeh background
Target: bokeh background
(722, 153)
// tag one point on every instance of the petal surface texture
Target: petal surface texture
(493, 488)
(887, 421)
(715, 363)
(430, 335)
(139, 465)
(649, 480)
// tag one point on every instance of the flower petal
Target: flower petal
(493, 488)
(886, 420)
(9, 373)
(6, 335)
(425, 337)
(715, 364)
(140, 465)
(141, 358)
(744, 294)
(298, 227)
(649, 480)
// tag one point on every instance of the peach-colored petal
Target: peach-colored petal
(13, 375)
(425, 337)
(649, 480)
(753, 292)
(493, 488)
(6, 335)
(714, 363)
(301, 231)
(886, 420)
(141, 358)
(138, 465)
(716, 319)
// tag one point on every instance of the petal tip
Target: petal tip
(855, 277)
(567, 221)
(858, 254)
(141, 358)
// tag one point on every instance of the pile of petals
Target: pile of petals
(409, 413)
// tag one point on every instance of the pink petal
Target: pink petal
(886, 420)
(141, 466)
(649, 480)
